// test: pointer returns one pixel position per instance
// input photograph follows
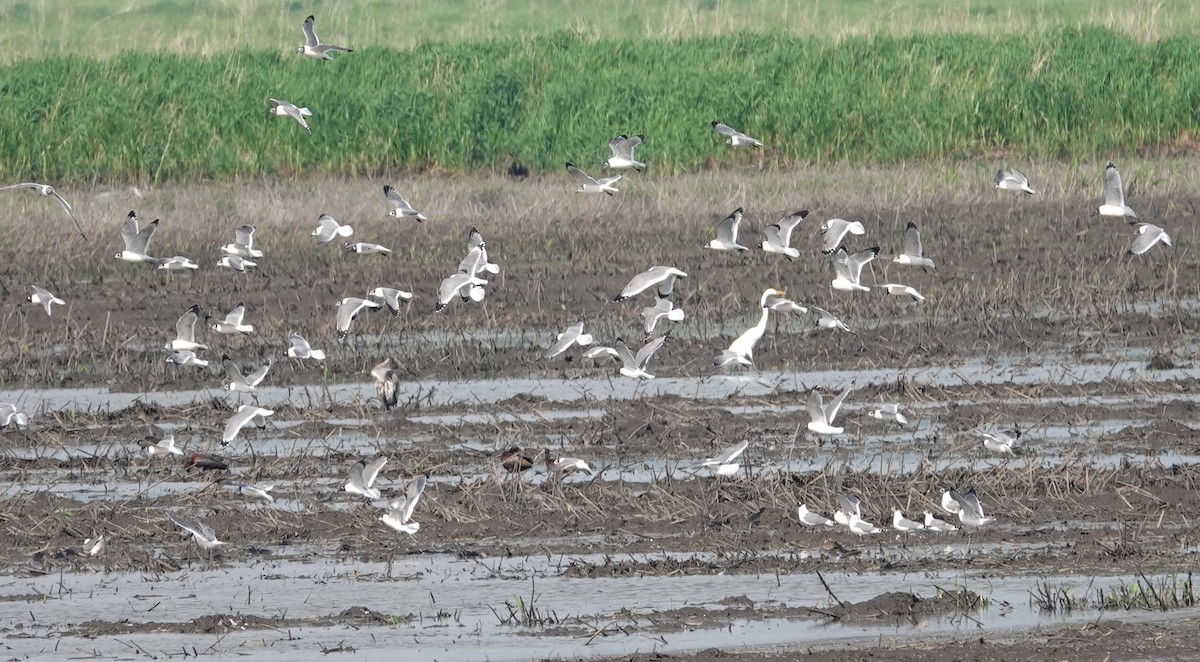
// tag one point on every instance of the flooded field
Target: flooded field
(1034, 319)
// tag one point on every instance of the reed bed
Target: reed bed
(541, 101)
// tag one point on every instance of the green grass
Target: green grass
(544, 101)
(35, 28)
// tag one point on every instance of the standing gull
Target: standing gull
(400, 206)
(914, 252)
(821, 415)
(778, 237)
(282, 108)
(590, 184)
(631, 365)
(622, 153)
(663, 277)
(312, 45)
(399, 511)
(574, 335)
(903, 524)
(727, 232)
(137, 241)
(1114, 196)
(934, 524)
(809, 518)
(734, 137)
(46, 191)
(1013, 180)
(46, 298)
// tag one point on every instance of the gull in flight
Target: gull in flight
(727, 232)
(1013, 180)
(889, 412)
(1114, 196)
(400, 206)
(300, 349)
(366, 248)
(476, 263)
(399, 511)
(778, 237)
(781, 304)
(164, 446)
(233, 321)
(312, 45)
(1148, 235)
(202, 532)
(592, 185)
(391, 297)
(328, 229)
(663, 277)
(847, 269)
(741, 350)
(46, 191)
(574, 335)
(934, 524)
(10, 415)
(186, 357)
(244, 383)
(260, 491)
(724, 464)
(462, 284)
(809, 518)
(903, 524)
(734, 137)
(362, 478)
(282, 108)
(622, 153)
(243, 243)
(896, 289)
(475, 240)
(836, 229)
(46, 298)
(631, 365)
(245, 414)
(949, 503)
(348, 309)
(661, 308)
(999, 441)
(971, 512)
(185, 332)
(236, 263)
(827, 320)
(821, 415)
(137, 242)
(386, 379)
(914, 252)
(565, 466)
(177, 263)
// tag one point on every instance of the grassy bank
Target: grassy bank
(543, 101)
(30, 28)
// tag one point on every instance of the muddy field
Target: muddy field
(1033, 318)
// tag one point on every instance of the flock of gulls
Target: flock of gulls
(468, 283)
